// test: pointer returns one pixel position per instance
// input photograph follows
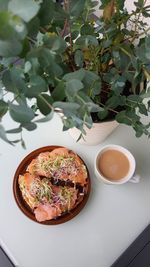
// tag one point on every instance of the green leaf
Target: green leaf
(92, 107)
(26, 9)
(33, 26)
(116, 101)
(143, 109)
(46, 12)
(88, 120)
(92, 83)
(67, 108)
(46, 118)
(76, 7)
(10, 48)
(55, 43)
(134, 98)
(79, 58)
(120, 4)
(13, 81)
(79, 75)
(87, 29)
(36, 86)
(6, 30)
(86, 41)
(11, 27)
(103, 114)
(14, 131)
(73, 86)
(48, 63)
(27, 66)
(121, 117)
(3, 135)
(44, 103)
(3, 108)
(21, 113)
(30, 126)
(58, 94)
(146, 95)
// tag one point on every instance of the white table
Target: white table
(112, 218)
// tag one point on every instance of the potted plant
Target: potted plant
(58, 57)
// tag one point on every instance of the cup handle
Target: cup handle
(135, 179)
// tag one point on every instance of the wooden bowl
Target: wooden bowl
(23, 205)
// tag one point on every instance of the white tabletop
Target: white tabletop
(112, 218)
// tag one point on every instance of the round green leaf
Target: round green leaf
(10, 48)
(55, 43)
(36, 86)
(21, 113)
(44, 102)
(13, 81)
(26, 9)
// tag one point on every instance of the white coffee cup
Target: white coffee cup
(130, 176)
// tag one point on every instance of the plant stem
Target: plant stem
(14, 98)
(64, 29)
(110, 109)
(31, 40)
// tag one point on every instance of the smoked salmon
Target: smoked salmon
(47, 201)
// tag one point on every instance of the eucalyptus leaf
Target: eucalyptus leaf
(10, 48)
(36, 86)
(143, 109)
(21, 113)
(66, 107)
(76, 7)
(46, 118)
(103, 114)
(3, 108)
(3, 135)
(58, 94)
(55, 43)
(79, 75)
(30, 126)
(121, 117)
(73, 86)
(44, 102)
(13, 81)
(92, 83)
(26, 9)
(86, 41)
(46, 12)
(14, 130)
(79, 58)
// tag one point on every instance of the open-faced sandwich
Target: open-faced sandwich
(54, 183)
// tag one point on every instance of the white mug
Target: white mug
(131, 176)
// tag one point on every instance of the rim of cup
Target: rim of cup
(129, 156)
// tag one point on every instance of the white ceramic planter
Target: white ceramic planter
(96, 134)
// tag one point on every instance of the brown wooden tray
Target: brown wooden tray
(26, 209)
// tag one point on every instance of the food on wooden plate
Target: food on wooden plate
(54, 183)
